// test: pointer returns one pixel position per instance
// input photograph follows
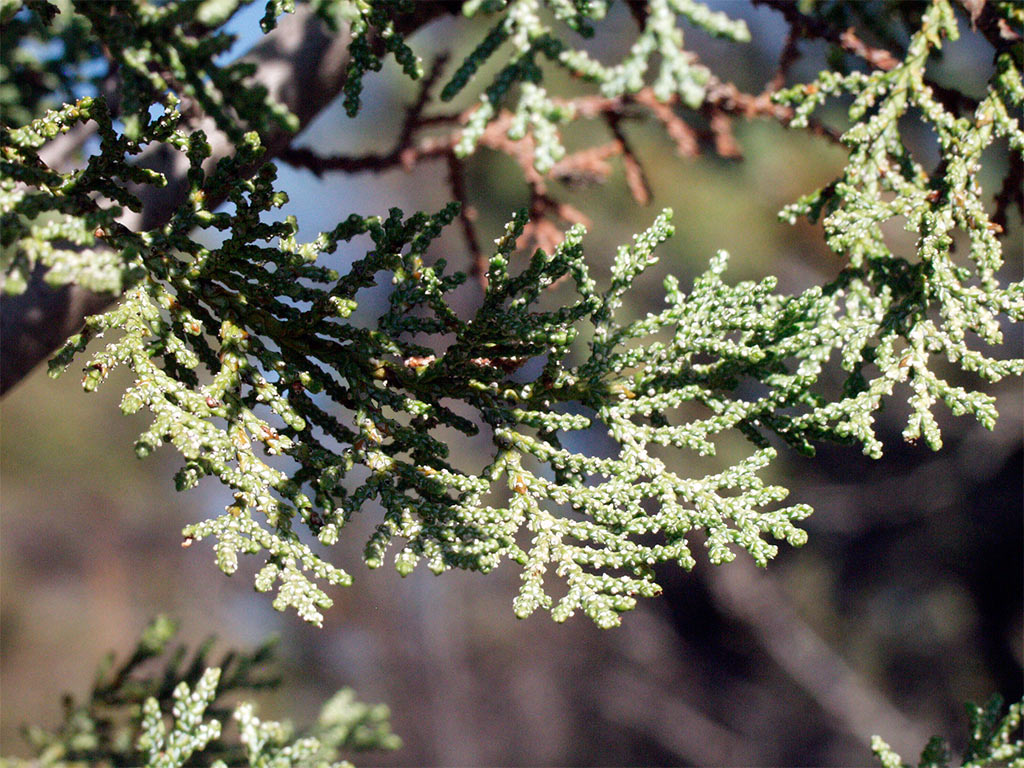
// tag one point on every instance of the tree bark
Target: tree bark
(301, 64)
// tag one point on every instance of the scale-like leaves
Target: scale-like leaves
(179, 714)
(253, 367)
(903, 310)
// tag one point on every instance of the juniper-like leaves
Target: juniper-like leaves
(994, 739)
(248, 358)
(904, 310)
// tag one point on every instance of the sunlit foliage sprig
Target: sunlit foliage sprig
(141, 715)
(910, 308)
(274, 374)
(994, 740)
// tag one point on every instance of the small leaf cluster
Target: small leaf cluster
(33, 78)
(181, 715)
(380, 18)
(994, 740)
(165, 57)
(522, 25)
(372, 27)
(68, 222)
(167, 54)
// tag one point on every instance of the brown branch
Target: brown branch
(586, 166)
(876, 57)
(987, 20)
(636, 179)
(788, 56)
(300, 157)
(721, 131)
(467, 217)
(724, 100)
(811, 27)
(678, 130)
(727, 98)
(540, 231)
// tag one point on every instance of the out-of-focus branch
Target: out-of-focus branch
(811, 27)
(586, 166)
(302, 66)
(1011, 195)
(677, 726)
(987, 20)
(754, 598)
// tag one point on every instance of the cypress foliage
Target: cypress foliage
(247, 356)
(244, 351)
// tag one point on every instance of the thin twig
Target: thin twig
(467, 217)
(636, 179)
(1012, 191)
(808, 26)
(790, 53)
(301, 157)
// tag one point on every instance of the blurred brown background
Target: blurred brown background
(905, 603)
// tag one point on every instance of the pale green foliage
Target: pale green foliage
(51, 219)
(344, 721)
(994, 741)
(136, 716)
(523, 26)
(189, 733)
(910, 309)
(252, 341)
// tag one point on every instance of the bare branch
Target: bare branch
(754, 598)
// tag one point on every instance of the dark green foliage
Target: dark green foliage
(41, 76)
(994, 740)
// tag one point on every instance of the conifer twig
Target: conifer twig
(301, 66)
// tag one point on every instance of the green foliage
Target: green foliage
(523, 27)
(54, 219)
(182, 714)
(907, 310)
(252, 341)
(991, 741)
(32, 81)
(372, 25)
(166, 53)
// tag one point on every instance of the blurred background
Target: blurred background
(905, 603)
